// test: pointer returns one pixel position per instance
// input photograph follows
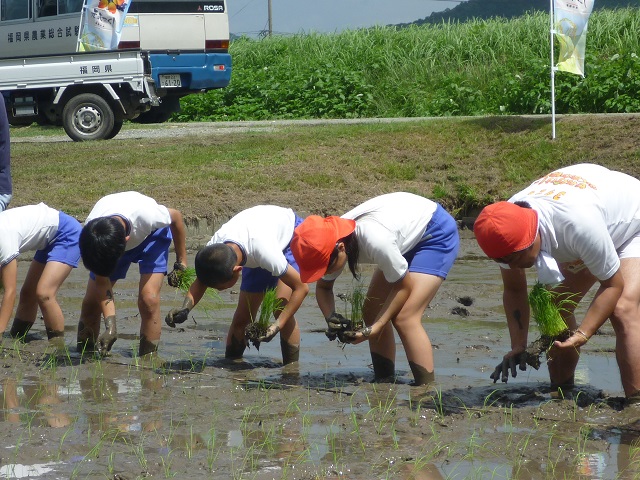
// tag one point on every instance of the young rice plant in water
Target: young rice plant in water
(258, 326)
(356, 302)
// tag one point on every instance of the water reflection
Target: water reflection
(35, 403)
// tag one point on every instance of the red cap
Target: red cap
(504, 228)
(313, 242)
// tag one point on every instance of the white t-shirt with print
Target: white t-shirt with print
(262, 233)
(586, 213)
(387, 227)
(27, 228)
(143, 214)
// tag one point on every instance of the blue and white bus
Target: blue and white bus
(186, 42)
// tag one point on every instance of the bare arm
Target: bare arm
(299, 291)
(516, 307)
(178, 231)
(9, 280)
(325, 298)
(599, 311)
(195, 294)
(104, 293)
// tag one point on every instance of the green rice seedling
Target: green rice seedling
(187, 277)
(547, 307)
(356, 304)
(545, 312)
(258, 326)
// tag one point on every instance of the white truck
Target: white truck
(89, 94)
(167, 49)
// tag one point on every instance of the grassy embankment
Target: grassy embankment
(473, 68)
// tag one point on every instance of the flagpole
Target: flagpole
(553, 77)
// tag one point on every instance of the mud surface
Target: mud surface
(206, 417)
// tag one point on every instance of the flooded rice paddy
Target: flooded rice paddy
(206, 417)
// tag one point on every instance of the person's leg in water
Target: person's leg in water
(90, 315)
(408, 323)
(290, 332)
(383, 346)
(149, 308)
(562, 363)
(626, 324)
(248, 304)
(40, 289)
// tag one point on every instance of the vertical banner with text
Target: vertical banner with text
(101, 24)
(570, 21)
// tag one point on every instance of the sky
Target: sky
(250, 17)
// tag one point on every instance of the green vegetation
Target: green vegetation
(355, 302)
(546, 308)
(258, 326)
(481, 67)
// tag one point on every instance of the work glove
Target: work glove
(107, 338)
(271, 332)
(173, 279)
(176, 315)
(336, 323)
(502, 369)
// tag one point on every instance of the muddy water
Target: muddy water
(205, 417)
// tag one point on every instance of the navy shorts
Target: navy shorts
(152, 255)
(64, 247)
(258, 280)
(437, 250)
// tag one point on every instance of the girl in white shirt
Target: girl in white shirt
(413, 242)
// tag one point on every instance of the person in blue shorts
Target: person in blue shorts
(121, 229)
(413, 242)
(53, 235)
(254, 244)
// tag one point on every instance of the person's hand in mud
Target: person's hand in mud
(336, 323)
(510, 361)
(355, 337)
(577, 339)
(176, 315)
(174, 277)
(179, 315)
(107, 338)
(271, 332)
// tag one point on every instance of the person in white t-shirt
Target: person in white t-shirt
(577, 225)
(253, 244)
(121, 229)
(53, 235)
(413, 242)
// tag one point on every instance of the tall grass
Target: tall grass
(477, 67)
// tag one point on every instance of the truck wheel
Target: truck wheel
(87, 117)
(117, 126)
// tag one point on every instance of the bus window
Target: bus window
(69, 6)
(15, 9)
(47, 8)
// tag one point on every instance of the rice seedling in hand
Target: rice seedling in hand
(258, 326)
(546, 309)
(354, 305)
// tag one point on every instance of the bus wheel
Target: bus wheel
(87, 117)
